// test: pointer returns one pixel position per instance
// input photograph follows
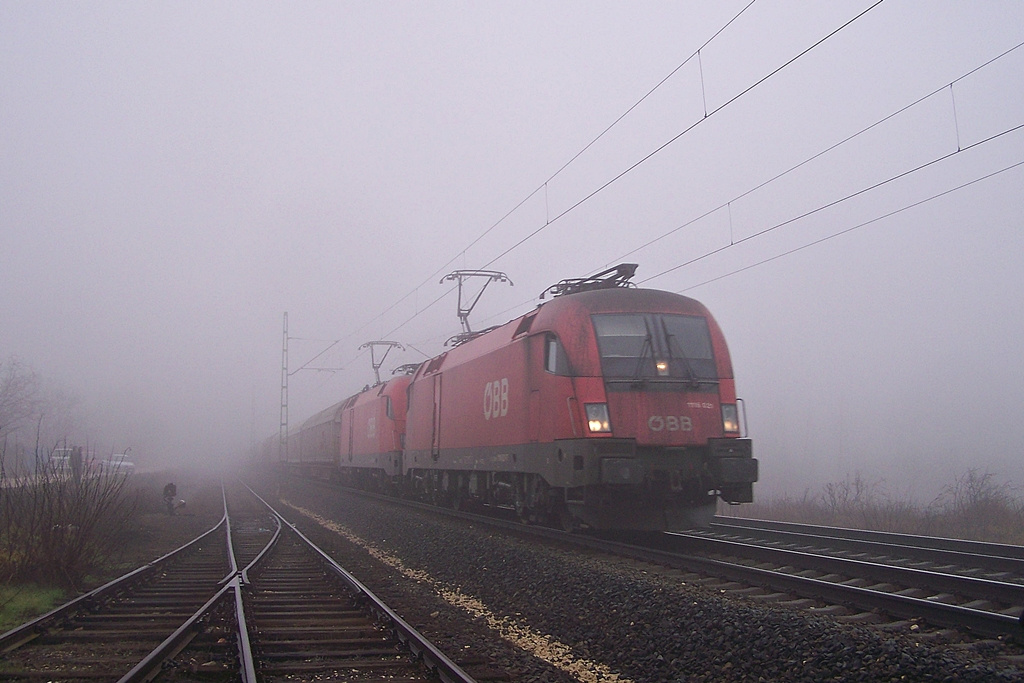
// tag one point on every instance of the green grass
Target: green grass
(20, 603)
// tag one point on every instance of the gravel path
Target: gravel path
(551, 614)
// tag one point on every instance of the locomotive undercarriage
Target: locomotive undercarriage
(602, 484)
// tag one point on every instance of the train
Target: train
(608, 407)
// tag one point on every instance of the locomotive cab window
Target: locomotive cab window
(555, 359)
(656, 346)
(388, 410)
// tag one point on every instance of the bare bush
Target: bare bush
(977, 506)
(850, 497)
(55, 528)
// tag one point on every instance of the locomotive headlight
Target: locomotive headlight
(730, 418)
(597, 417)
(662, 368)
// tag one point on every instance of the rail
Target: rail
(447, 670)
(1004, 624)
(233, 584)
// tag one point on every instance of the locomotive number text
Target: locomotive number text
(496, 398)
(657, 423)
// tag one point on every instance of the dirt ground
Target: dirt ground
(153, 532)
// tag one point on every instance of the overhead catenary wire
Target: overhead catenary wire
(678, 136)
(734, 243)
(543, 185)
(551, 220)
(835, 202)
(817, 241)
(830, 148)
(854, 227)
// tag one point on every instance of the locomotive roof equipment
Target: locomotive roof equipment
(461, 276)
(618, 276)
(372, 345)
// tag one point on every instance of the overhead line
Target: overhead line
(852, 228)
(792, 168)
(551, 177)
(835, 202)
(306, 364)
(611, 125)
(815, 156)
(647, 94)
(683, 132)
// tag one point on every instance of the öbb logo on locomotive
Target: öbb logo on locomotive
(672, 423)
(496, 398)
(605, 407)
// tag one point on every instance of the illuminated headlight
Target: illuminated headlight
(730, 418)
(597, 417)
(662, 367)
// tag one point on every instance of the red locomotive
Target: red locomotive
(608, 406)
(357, 441)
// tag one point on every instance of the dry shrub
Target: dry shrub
(975, 506)
(55, 528)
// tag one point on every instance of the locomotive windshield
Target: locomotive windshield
(643, 346)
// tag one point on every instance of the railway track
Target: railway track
(858, 584)
(890, 580)
(995, 561)
(250, 599)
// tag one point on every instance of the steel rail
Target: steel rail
(230, 585)
(991, 624)
(174, 643)
(447, 670)
(266, 549)
(27, 631)
(246, 663)
(231, 547)
(986, 548)
(999, 591)
(895, 553)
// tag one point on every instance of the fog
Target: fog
(174, 177)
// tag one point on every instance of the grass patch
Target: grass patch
(20, 603)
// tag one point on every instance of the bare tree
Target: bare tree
(19, 394)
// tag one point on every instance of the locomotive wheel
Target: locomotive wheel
(565, 520)
(522, 512)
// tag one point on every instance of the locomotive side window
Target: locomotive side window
(555, 359)
(388, 410)
(655, 346)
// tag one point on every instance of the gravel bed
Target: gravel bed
(547, 613)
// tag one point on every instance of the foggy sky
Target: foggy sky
(174, 177)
